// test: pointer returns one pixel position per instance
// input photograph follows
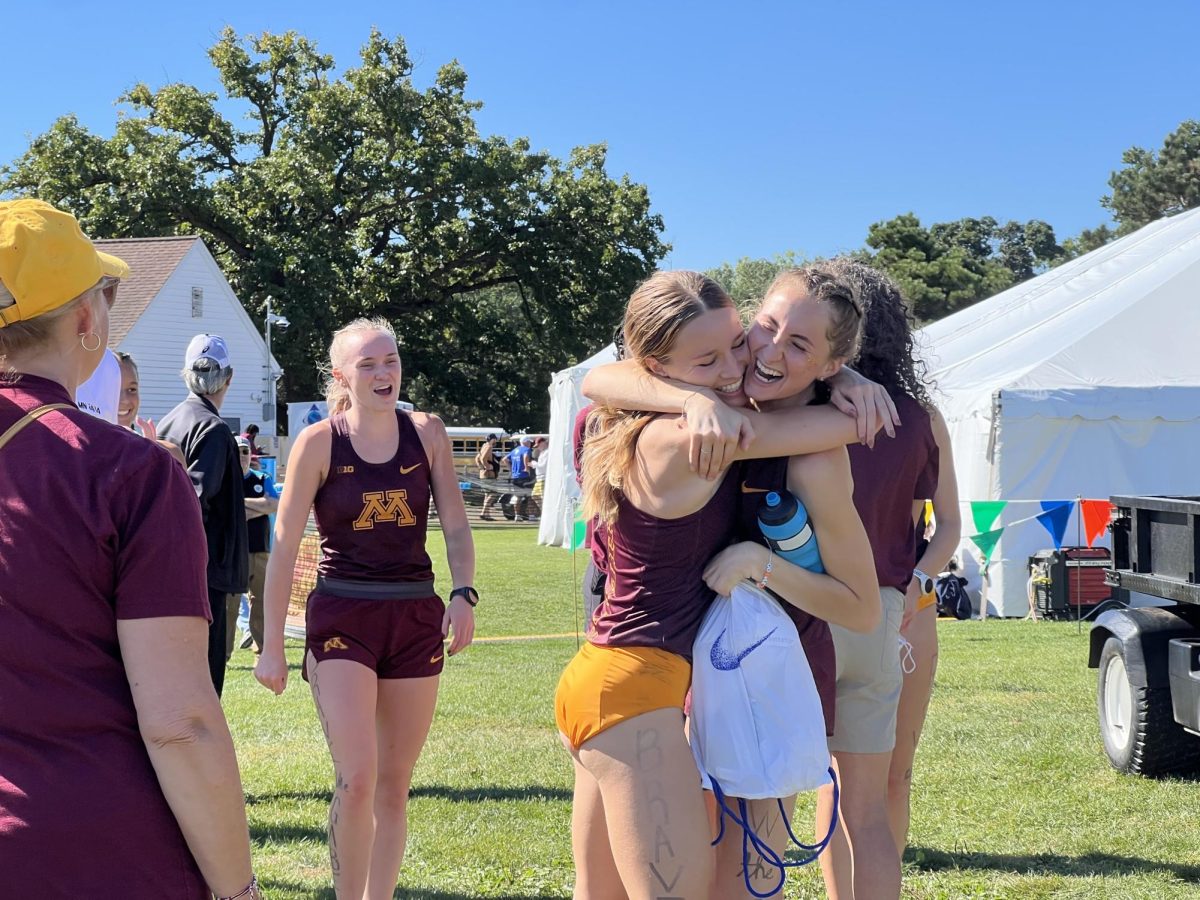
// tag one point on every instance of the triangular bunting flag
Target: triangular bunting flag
(1096, 515)
(1054, 519)
(986, 542)
(986, 512)
(578, 534)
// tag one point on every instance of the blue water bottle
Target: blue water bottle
(783, 521)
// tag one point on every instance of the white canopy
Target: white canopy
(561, 490)
(1082, 382)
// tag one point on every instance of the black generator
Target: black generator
(1069, 583)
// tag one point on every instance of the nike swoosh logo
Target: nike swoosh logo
(434, 659)
(405, 471)
(746, 489)
(725, 661)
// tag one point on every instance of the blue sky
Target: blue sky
(759, 127)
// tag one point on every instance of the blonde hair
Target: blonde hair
(337, 395)
(656, 313)
(829, 285)
(31, 334)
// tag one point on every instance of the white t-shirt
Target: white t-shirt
(100, 395)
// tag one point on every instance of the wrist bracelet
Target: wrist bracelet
(762, 583)
(249, 891)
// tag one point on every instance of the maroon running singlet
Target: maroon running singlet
(375, 603)
(758, 478)
(655, 595)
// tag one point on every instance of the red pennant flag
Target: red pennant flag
(1096, 515)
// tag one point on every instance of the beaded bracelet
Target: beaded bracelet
(250, 891)
(762, 582)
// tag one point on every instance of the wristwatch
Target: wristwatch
(467, 593)
(923, 581)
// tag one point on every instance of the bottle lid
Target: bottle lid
(772, 499)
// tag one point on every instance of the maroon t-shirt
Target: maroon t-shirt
(760, 476)
(96, 524)
(655, 595)
(372, 517)
(887, 480)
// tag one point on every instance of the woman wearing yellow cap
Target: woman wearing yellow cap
(117, 772)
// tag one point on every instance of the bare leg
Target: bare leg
(596, 876)
(873, 859)
(345, 693)
(910, 720)
(402, 719)
(764, 818)
(835, 861)
(653, 806)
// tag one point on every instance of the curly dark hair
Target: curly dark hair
(886, 355)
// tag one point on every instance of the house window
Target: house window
(197, 302)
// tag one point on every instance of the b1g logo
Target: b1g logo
(381, 508)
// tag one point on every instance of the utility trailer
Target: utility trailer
(1148, 657)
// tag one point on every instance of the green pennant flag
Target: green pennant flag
(986, 542)
(578, 534)
(986, 512)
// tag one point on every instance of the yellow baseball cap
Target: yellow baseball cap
(46, 260)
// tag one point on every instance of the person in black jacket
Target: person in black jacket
(212, 460)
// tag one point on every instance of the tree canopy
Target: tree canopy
(362, 194)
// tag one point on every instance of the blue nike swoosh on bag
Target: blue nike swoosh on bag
(726, 661)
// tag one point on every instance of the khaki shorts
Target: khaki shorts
(869, 680)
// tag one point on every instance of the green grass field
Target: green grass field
(1013, 795)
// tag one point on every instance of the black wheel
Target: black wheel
(507, 508)
(1141, 736)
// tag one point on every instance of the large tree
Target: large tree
(362, 194)
(1152, 185)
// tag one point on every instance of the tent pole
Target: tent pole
(1067, 569)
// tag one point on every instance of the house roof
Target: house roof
(151, 262)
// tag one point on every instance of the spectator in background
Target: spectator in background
(541, 459)
(117, 772)
(213, 461)
(489, 470)
(251, 435)
(262, 500)
(130, 397)
(521, 475)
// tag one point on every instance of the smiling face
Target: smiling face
(709, 351)
(127, 406)
(789, 346)
(369, 367)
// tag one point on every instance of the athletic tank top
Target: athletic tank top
(372, 517)
(655, 596)
(760, 476)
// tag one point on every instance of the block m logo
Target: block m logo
(382, 508)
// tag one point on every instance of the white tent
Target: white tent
(1084, 381)
(561, 491)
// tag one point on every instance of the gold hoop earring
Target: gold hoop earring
(83, 342)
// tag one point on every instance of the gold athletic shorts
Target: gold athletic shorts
(602, 686)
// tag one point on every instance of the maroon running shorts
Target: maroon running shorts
(392, 638)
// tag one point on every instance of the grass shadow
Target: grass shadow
(527, 793)
(326, 893)
(1087, 865)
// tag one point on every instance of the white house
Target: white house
(176, 290)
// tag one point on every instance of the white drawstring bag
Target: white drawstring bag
(757, 728)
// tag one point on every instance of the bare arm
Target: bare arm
(260, 506)
(456, 530)
(946, 510)
(847, 594)
(306, 472)
(188, 741)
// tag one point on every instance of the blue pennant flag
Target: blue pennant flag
(1054, 519)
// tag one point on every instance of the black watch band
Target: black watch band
(467, 593)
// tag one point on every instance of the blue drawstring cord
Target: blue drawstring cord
(750, 838)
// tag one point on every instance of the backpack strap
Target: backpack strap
(30, 417)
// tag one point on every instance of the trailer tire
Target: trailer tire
(1140, 734)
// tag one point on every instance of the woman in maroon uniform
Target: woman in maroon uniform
(639, 825)
(375, 627)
